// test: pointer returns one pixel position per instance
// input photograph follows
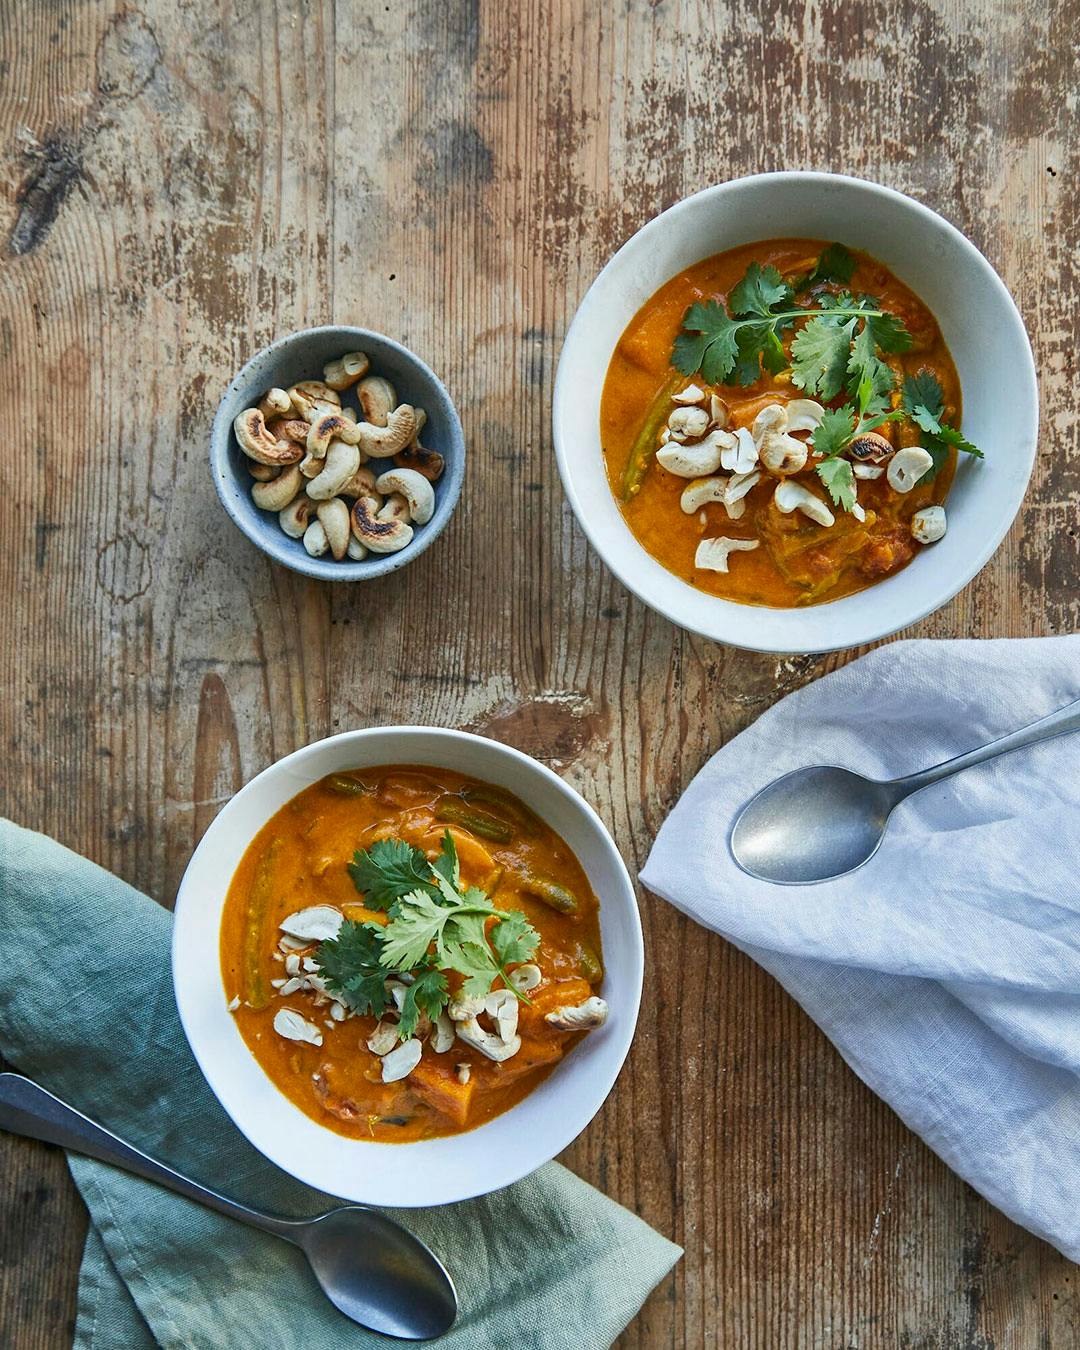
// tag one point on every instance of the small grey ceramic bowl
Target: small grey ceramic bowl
(301, 356)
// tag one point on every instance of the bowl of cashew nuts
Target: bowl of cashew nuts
(338, 452)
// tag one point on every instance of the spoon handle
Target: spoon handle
(1054, 724)
(27, 1109)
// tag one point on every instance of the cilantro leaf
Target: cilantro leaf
(887, 330)
(835, 431)
(923, 390)
(352, 968)
(952, 436)
(514, 939)
(870, 380)
(387, 870)
(837, 475)
(446, 864)
(835, 264)
(707, 342)
(429, 993)
(759, 292)
(819, 355)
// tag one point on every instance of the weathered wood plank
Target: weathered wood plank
(179, 183)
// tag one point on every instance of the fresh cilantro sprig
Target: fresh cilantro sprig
(734, 344)
(840, 426)
(434, 925)
(923, 400)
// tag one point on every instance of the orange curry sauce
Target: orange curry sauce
(799, 562)
(299, 859)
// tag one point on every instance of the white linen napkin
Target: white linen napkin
(947, 970)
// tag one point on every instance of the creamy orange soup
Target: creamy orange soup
(797, 561)
(300, 859)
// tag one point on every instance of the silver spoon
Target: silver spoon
(369, 1267)
(821, 822)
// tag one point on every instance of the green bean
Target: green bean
(454, 811)
(345, 785)
(258, 903)
(498, 799)
(592, 968)
(644, 447)
(550, 892)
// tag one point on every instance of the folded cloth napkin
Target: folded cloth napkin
(947, 970)
(86, 1009)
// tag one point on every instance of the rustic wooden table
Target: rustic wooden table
(182, 182)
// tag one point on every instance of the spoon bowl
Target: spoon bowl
(822, 822)
(812, 825)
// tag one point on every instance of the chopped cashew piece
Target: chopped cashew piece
(783, 453)
(693, 460)
(383, 1039)
(804, 414)
(867, 470)
(712, 554)
(442, 1034)
(928, 524)
(462, 1009)
(702, 491)
(742, 456)
(871, 446)
(494, 1047)
(791, 496)
(526, 977)
(685, 423)
(317, 923)
(584, 1017)
(414, 487)
(501, 1005)
(907, 466)
(280, 491)
(463, 1072)
(691, 394)
(739, 484)
(383, 442)
(293, 1027)
(400, 1063)
(719, 412)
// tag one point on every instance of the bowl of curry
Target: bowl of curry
(408, 961)
(796, 412)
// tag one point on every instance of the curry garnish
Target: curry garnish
(834, 353)
(435, 925)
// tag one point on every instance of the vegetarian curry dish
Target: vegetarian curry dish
(780, 424)
(408, 952)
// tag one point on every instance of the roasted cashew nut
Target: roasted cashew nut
(688, 423)
(346, 370)
(262, 473)
(700, 492)
(288, 429)
(581, 1017)
(361, 484)
(712, 554)
(907, 466)
(311, 397)
(380, 536)
(394, 507)
(257, 443)
(334, 518)
(323, 430)
(315, 540)
(790, 496)
(296, 517)
(377, 398)
(487, 1042)
(928, 524)
(276, 495)
(274, 403)
(416, 456)
(341, 462)
(414, 487)
(870, 447)
(382, 442)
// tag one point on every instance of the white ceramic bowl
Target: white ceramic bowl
(436, 1171)
(981, 326)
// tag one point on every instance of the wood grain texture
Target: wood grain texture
(180, 182)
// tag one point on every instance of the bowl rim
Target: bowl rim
(507, 1166)
(346, 570)
(731, 622)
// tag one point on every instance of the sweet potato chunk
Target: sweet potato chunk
(536, 1052)
(438, 1086)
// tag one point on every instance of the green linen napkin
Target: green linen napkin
(86, 1009)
